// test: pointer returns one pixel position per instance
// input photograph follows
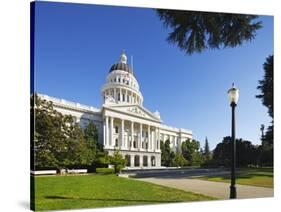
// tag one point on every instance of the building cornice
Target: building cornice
(65, 104)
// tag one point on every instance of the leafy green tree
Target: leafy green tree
(194, 31)
(76, 152)
(167, 155)
(101, 160)
(197, 158)
(206, 153)
(48, 136)
(179, 160)
(247, 153)
(266, 85)
(266, 88)
(58, 139)
(165, 152)
(90, 134)
(191, 152)
(117, 161)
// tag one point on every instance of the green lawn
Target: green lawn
(247, 176)
(91, 191)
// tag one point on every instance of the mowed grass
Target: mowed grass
(92, 191)
(247, 176)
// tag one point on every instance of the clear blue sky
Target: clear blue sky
(76, 44)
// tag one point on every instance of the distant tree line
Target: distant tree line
(58, 141)
(191, 154)
(247, 154)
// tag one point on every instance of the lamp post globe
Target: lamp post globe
(233, 94)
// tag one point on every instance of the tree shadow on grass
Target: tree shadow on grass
(241, 176)
(112, 199)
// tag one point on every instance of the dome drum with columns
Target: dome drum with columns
(121, 85)
(123, 122)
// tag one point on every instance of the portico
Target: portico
(137, 138)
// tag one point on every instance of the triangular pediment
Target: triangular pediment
(135, 110)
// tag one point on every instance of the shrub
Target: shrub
(104, 171)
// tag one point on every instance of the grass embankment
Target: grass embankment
(91, 191)
(247, 176)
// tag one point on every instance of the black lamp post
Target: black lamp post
(233, 94)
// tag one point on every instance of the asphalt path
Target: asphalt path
(184, 179)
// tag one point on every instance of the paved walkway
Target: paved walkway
(214, 189)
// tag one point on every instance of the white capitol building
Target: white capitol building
(123, 122)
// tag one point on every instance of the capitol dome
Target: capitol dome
(122, 65)
(121, 84)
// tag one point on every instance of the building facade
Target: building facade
(123, 122)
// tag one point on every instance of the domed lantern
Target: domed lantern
(233, 94)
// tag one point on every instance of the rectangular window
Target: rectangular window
(116, 129)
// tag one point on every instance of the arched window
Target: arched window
(145, 162)
(137, 160)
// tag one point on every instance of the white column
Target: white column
(158, 138)
(122, 142)
(148, 161)
(141, 160)
(111, 131)
(158, 160)
(114, 94)
(104, 133)
(107, 131)
(132, 134)
(149, 142)
(132, 160)
(140, 140)
(154, 139)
